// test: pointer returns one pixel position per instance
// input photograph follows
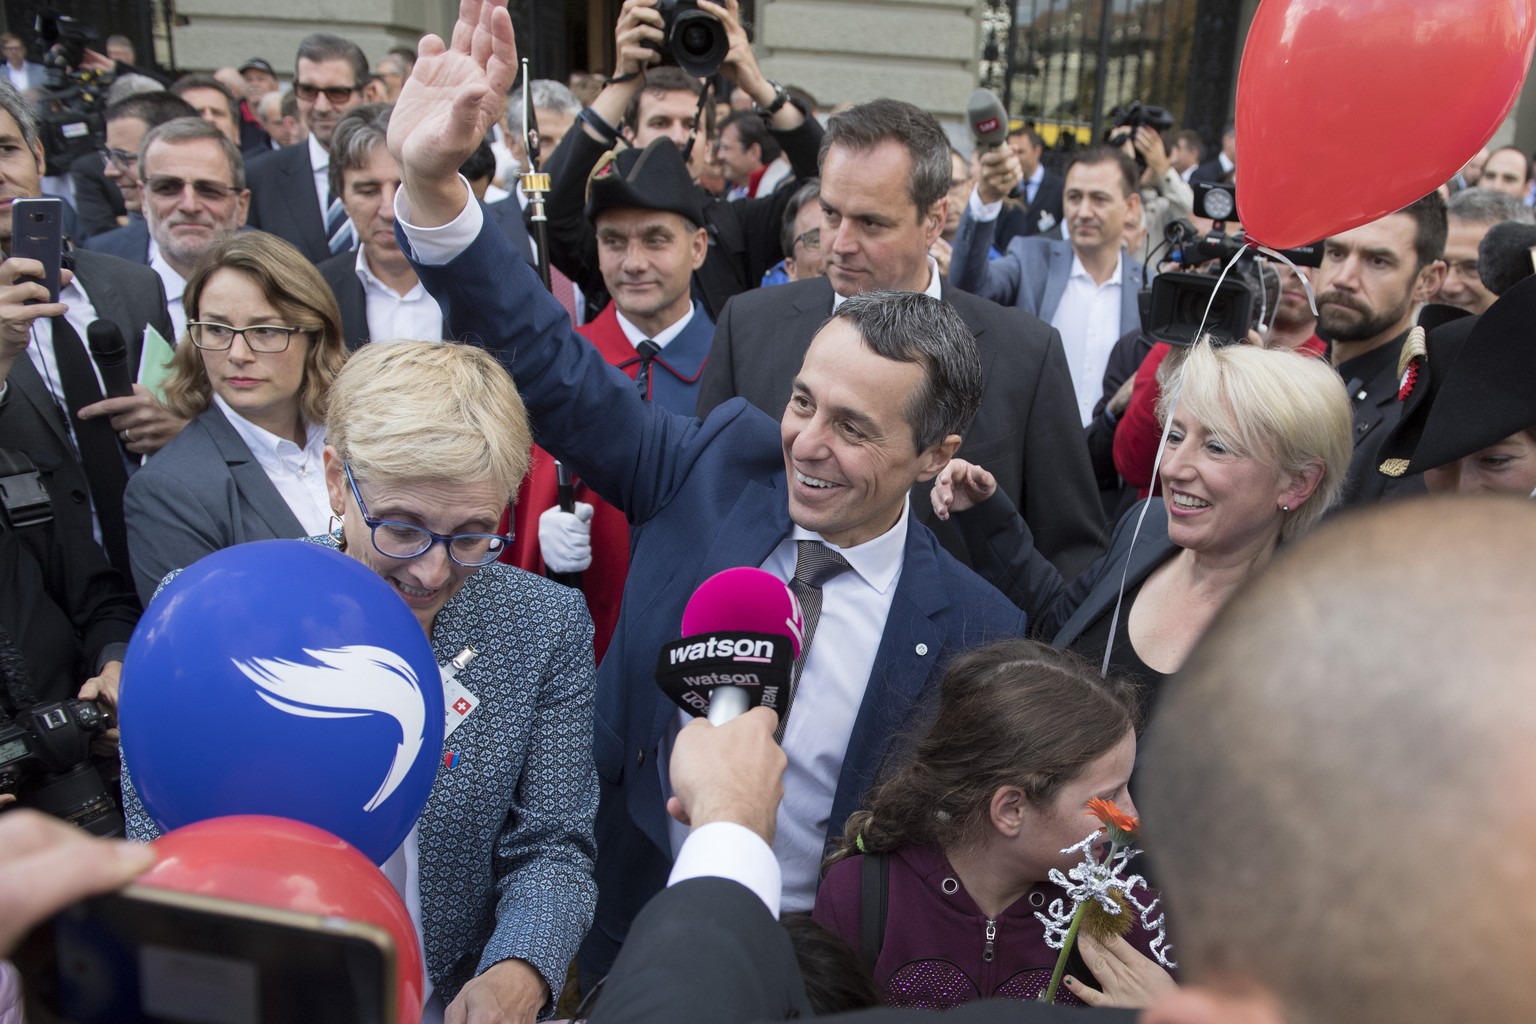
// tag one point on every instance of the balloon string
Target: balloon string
(1157, 463)
(1283, 258)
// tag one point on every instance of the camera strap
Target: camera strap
(24, 501)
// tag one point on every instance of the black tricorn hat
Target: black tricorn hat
(1471, 385)
(653, 178)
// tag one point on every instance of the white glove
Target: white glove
(565, 538)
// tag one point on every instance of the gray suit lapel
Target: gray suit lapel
(255, 486)
(1056, 278)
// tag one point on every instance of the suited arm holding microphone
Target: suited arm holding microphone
(969, 266)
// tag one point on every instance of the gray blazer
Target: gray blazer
(1031, 275)
(201, 493)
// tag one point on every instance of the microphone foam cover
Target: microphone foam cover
(746, 600)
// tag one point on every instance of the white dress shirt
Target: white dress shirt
(1032, 184)
(933, 291)
(414, 316)
(1088, 318)
(661, 338)
(320, 163)
(297, 473)
(175, 287)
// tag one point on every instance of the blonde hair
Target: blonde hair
(404, 411)
(301, 297)
(1280, 407)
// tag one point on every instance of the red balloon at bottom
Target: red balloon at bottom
(275, 862)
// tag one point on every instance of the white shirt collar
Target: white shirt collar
(1036, 176)
(175, 284)
(636, 335)
(877, 561)
(1081, 272)
(319, 156)
(268, 448)
(373, 281)
(932, 291)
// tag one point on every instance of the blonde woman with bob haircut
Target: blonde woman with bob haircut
(428, 443)
(263, 345)
(1258, 450)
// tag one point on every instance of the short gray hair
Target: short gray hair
(546, 94)
(190, 129)
(911, 327)
(1488, 206)
(867, 125)
(360, 131)
(15, 104)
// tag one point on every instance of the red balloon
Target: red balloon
(1348, 110)
(275, 862)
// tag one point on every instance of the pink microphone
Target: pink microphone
(741, 634)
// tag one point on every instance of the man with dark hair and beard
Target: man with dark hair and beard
(1373, 279)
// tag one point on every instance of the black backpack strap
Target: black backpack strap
(25, 505)
(874, 895)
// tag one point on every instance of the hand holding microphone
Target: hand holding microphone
(731, 772)
(565, 538)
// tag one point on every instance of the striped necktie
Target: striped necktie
(338, 228)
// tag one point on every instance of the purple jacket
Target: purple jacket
(935, 954)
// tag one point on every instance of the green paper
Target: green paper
(155, 365)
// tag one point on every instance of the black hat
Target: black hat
(653, 178)
(256, 63)
(1468, 386)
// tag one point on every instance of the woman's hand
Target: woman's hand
(1129, 978)
(509, 992)
(960, 486)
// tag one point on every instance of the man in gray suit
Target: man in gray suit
(885, 173)
(56, 416)
(1085, 285)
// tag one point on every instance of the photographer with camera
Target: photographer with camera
(1165, 197)
(650, 100)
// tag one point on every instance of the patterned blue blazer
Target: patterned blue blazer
(505, 840)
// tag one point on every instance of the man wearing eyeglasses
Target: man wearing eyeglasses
(51, 406)
(193, 182)
(128, 121)
(291, 193)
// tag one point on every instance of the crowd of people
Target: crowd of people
(1040, 553)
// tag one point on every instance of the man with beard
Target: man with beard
(194, 197)
(1372, 279)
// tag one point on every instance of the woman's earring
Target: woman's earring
(337, 533)
(1285, 508)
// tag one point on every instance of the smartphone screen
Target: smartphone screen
(37, 233)
(144, 956)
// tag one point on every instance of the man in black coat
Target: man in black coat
(290, 193)
(1027, 432)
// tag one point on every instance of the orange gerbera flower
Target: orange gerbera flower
(1121, 826)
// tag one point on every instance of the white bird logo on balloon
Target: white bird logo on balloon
(349, 682)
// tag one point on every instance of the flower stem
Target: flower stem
(1066, 950)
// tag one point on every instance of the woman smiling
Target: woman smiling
(263, 345)
(1257, 452)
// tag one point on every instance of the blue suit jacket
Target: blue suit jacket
(283, 200)
(1032, 274)
(129, 242)
(701, 497)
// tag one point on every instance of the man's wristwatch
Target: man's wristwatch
(780, 97)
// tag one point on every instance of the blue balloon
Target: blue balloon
(284, 678)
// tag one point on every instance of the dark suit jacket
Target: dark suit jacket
(98, 203)
(707, 949)
(283, 201)
(1003, 552)
(129, 242)
(1041, 217)
(129, 296)
(1211, 170)
(1376, 412)
(701, 498)
(199, 494)
(1027, 432)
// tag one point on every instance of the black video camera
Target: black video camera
(73, 99)
(1175, 306)
(692, 39)
(45, 752)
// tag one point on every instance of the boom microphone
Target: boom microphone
(111, 356)
(741, 634)
(988, 119)
(1505, 256)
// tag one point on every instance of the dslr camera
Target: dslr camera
(1177, 303)
(45, 752)
(692, 39)
(1131, 117)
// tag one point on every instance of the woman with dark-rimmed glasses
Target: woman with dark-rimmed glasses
(263, 344)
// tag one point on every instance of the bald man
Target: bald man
(1342, 809)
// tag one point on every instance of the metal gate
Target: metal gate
(1065, 64)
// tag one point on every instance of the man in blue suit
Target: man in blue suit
(881, 401)
(1084, 285)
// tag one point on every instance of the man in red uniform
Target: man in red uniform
(648, 218)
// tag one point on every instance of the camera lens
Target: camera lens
(695, 40)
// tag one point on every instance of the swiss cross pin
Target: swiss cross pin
(461, 706)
